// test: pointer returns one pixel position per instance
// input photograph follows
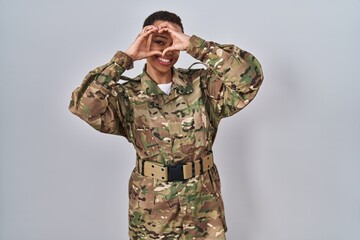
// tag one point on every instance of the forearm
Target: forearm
(114, 69)
(227, 61)
(93, 100)
(233, 75)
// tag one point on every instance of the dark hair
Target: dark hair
(163, 16)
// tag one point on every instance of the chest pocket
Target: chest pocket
(145, 134)
(189, 122)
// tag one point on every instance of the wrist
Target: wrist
(122, 60)
(186, 43)
(197, 47)
(130, 54)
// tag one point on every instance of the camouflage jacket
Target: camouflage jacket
(178, 127)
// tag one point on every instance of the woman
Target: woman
(171, 117)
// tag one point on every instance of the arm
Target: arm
(233, 76)
(95, 101)
(100, 101)
(232, 79)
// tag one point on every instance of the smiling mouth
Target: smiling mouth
(164, 61)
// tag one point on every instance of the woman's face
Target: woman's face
(159, 42)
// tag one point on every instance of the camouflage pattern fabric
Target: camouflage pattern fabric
(172, 129)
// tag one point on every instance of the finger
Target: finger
(146, 31)
(146, 34)
(148, 28)
(166, 25)
(153, 53)
(173, 33)
(139, 42)
(165, 29)
(148, 43)
(171, 48)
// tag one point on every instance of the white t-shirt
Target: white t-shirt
(165, 87)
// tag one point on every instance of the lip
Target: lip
(164, 61)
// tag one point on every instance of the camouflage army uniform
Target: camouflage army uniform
(172, 129)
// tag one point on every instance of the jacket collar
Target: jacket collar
(180, 85)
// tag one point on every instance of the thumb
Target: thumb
(153, 53)
(171, 48)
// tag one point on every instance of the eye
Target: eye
(159, 42)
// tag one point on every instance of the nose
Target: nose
(169, 53)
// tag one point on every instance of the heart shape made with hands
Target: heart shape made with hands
(140, 48)
(180, 41)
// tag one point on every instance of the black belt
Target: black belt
(178, 172)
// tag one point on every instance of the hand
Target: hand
(140, 48)
(180, 40)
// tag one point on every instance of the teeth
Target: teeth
(164, 60)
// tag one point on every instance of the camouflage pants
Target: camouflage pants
(191, 209)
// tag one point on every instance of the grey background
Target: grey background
(289, 162)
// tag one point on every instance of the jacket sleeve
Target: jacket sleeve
(98, 99)
(233, 76)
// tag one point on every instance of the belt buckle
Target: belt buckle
(175, 173)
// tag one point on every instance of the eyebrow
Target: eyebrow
(161, 36)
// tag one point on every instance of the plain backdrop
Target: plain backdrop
(289, 163)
